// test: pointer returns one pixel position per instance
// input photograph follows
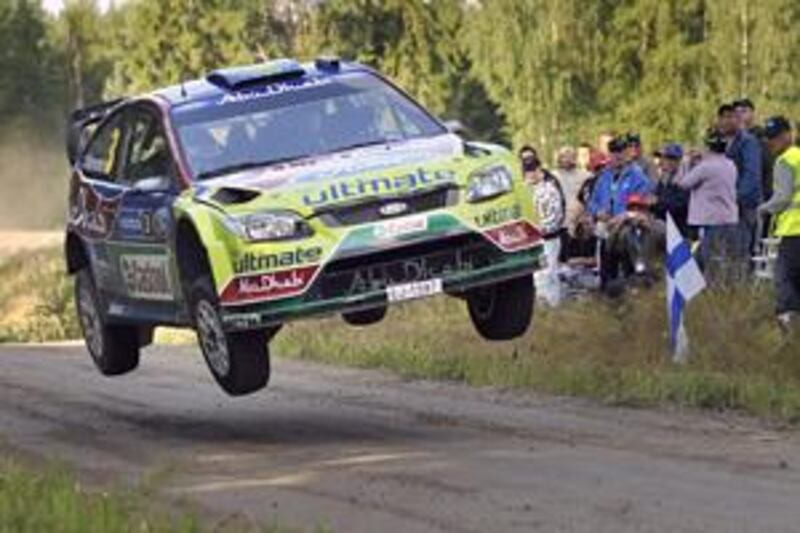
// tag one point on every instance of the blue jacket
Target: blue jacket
(745, 152)
(610, 195)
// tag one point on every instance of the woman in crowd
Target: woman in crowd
(551, 205)
(713, 209)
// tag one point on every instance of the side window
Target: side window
(101, 160)
(148, 154)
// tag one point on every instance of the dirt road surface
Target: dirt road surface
(366, 452)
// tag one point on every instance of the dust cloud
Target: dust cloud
(34, 179)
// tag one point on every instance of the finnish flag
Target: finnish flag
(684, 282)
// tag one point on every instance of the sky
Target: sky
(54, 6)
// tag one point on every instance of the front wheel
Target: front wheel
(503, 311)
(238, 361)
(114, 348)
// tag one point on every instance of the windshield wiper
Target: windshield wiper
(365, 144)
(247, 165)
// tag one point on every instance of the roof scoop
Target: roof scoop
(236, 78)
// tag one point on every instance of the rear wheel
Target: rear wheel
(114, 348)
(238, 361)
(503, 311)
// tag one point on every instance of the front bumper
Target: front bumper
(353, 283)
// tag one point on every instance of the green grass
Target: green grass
(36, 299)
(52, 500)
(615, 353)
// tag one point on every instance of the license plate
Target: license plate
(400, 227)
(412, 291)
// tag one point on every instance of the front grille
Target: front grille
(370, 211)
(418, 262)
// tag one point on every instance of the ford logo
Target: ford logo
(393, 209)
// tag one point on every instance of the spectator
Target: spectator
(635, 155)
(585, 151)
(713, 209)
(746, 113)
(745, 151)
(619, 180)
(670, 198)
(551, 207)
(571, 179)
(583, 243)
(609, 203)
(604, 140)
(784, 205)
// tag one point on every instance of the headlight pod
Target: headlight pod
(489, 182)
(270, 226)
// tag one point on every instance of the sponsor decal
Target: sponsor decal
(143, 223)
(401, 226)
(272, 90)
(242, 320)
(515, 236)
(497, 216)
(380, 277)
(393, 209)
(270, 286)
(351, 189)
(146, 277)
(94, 214)
(251, 262)
(130, 223)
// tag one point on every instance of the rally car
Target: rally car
(279, 191)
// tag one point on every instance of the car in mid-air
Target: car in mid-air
(279, 191)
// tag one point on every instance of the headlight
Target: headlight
(274, 226)
(489, 183)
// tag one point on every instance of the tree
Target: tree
(540, 61)
(29, 78)
(163, 42)
(80, 35)
(419, 44)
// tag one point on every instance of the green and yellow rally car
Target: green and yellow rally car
(279, 191)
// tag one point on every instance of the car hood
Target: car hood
(345, 177)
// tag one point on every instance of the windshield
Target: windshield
(293, 120)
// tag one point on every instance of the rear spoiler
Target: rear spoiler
(80, 126)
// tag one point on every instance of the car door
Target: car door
(139, 242)
(96, 193)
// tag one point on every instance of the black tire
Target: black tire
(366, 317)
(238, 361)
(114, 348)
(503, 311)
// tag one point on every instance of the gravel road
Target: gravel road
(366, 452)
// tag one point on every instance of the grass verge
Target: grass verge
(52, 500)
(36, 299)
(615, 353)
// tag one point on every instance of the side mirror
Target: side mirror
(455, 126)
(154, 185)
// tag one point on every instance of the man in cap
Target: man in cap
(784, 206)
(635, 154)
(621, 180)
(745, 152)
(670, 198)
(746, 112)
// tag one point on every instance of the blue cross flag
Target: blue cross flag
(684, 282)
